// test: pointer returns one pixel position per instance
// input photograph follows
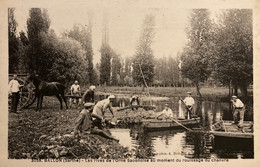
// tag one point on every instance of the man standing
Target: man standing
(75, 91)
(14, 89)
(88, 96)
(239, 108)
(189, 102)
(99, 111)
(134, 101)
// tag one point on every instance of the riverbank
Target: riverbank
(48, 134)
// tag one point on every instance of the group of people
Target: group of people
(168, 113)
(238, 109)
(91, 119)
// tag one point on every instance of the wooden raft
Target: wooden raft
(227, 129)
(154, 124)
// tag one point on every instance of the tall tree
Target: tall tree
(116, 68)
(105, 64)
(106, 51)
(233, 59)
(83, 35)
(195, 56)
(13, 42)
(143, 61)
(68, 59)
(37, 23)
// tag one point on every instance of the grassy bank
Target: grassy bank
(166, 91)
(47, 134)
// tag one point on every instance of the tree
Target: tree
(116, 68)
(68, 59)
(37, 23)
(143, 61)
(105, 64)
(84, 36)
(13, 42)
(233, 59)
(195, 56)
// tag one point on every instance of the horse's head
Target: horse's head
(34, 79)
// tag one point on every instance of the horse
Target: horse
(44, 88)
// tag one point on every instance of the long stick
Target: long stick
(191, 113)
(145, 83)
(179, 124)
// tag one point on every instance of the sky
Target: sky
(124, 22)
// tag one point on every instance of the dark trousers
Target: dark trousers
(15, 101)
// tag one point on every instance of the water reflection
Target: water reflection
(182, 144)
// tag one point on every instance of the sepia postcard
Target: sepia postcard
(129, 83)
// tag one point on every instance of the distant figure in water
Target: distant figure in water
(134, 101)
(166, 113)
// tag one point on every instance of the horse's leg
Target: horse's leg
(41, 99)
(38, 102)
(64, 98)
(59, 98)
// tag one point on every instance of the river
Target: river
(180, 143)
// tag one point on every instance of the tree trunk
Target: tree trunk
(198, 89)
(235, 90)
(243, 89)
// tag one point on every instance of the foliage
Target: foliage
(84, 37)
(195, 56)
(143, 61)
(67, 58)
(105, 64)
(13, 42)
(37, 23)
(233, 58)
(166, 71)
(116, 69)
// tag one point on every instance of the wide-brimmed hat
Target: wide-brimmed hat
(234, 96)
(111, 97)
(88, 105)
(166, 105)
(188, 92)
(92, 87)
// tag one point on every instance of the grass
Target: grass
(30, 134)
(166, 91)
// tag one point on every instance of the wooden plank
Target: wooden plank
(232, 134)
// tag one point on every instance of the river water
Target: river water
(168, 144)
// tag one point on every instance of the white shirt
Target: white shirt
(14, 86)
(75, 88)
(168, 112)
(238, 103)
(189, 101)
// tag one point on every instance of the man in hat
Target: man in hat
(88, 96)
(75, 91)
(84, 123)
(134, 101)
(99, 110)
(14, 91)
(239, 108)
(189, 102)
(167, 112)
